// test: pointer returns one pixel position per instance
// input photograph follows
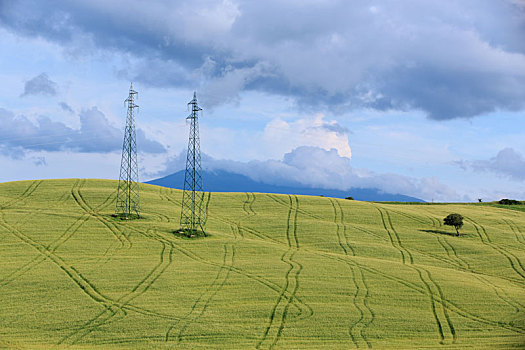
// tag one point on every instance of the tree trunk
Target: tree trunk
(457, 231)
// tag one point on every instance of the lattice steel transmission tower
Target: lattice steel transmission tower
(128, 195)
(193, 214)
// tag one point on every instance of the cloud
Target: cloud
(40, 85)
(328, 55)
(66, 107)
(508, 162)
(314, 131)
(316, 167)
(18, 134)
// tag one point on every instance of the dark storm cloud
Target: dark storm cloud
(508, 162)
(448, 59)
(40, 85)
(19, 134)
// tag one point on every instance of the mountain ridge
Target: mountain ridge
(224, 181)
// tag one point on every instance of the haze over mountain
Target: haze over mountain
(224, 181)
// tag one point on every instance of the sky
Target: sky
(423, 98)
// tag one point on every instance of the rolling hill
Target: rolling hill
(277, 271)
(224, 181)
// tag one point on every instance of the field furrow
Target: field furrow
(377, 275)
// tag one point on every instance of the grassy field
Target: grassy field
(277, 271)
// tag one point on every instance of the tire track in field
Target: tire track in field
(453, 307)
(279, 312)
(60, 202)
(106, 316)
(439, 310)
(250, 206)
(297, 302)
(516, 230)
(108, 223)
(124, 241)
(514, 261)
(72, 273)
(356, 330)
(254, 232)
(451, 251)
(236, 231)
(284, 203)
(207, 204)
(248, 203)
(501, 294)
(409, 216)
(165, 197)
(448, 261)
(23, 196)
(241, 228)
(201, 304)
(53, 246)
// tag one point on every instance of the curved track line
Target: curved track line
(356, 330)
(273, 332)
(514, 261)
(23, 196)
(73, 274)
(201, 304)
(516, 230)
(462, 264)
(453, 307)
(207, 204)
(246, 206)
(53, 246)
(82, 203)
(250, 207)
(282, 202)
(438, 309)
(190, 254)
(165, 260)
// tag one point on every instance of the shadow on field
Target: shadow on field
(440, 232)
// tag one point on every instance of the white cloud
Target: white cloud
(315, 131)
(18, 135)
(508, 162)
(316, 167)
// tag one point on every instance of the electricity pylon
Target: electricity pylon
(128, 196)
(193, 214)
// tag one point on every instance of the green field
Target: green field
(277, 271)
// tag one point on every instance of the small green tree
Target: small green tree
(455, 220)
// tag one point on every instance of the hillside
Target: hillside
(278, 271)
(224, 181)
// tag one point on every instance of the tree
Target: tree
(455, 220)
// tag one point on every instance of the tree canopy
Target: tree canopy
(455, 220)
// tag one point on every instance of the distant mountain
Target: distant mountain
(223, 181)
